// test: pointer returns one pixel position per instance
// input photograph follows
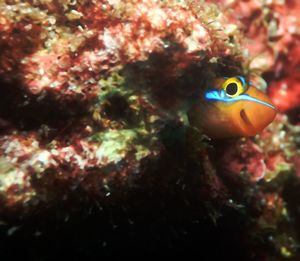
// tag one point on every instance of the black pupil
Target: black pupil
(232, 88)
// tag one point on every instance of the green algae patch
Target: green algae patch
(115, 144)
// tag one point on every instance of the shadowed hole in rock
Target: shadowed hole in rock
(24, 111)
(117, 108)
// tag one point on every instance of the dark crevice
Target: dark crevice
(25, 112)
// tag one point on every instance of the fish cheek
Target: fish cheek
(233, 125)
(241, 124)
(248, 128)
(202, 116)
(219, 121)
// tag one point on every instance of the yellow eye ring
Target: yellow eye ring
(233, 87)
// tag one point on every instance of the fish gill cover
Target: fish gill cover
(94, 127)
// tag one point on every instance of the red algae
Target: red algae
(76, 57)
(245, 157)
(285, 93)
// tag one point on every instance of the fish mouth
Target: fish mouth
(245, 119)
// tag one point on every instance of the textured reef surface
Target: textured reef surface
(94, 98)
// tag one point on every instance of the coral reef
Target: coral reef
(93, 121)
(88, 97)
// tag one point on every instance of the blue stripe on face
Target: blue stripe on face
(221, 96)
(242, 79)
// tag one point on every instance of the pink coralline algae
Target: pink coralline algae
(99, 37)
(247, 157)
(93, 112)
(285, 93)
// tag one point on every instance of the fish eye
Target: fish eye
(233, 87)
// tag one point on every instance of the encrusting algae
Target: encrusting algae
(114, 108)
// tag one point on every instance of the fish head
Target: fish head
(233, 107)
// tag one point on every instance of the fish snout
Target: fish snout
(256, 115)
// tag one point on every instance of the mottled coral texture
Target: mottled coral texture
(90, 86)
(93, 108)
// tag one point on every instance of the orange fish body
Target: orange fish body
(234, 108)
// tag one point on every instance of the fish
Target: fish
(233, 107)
